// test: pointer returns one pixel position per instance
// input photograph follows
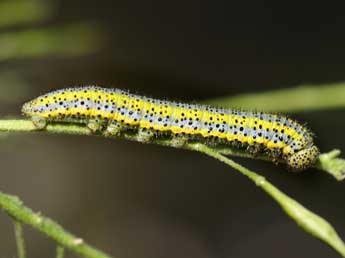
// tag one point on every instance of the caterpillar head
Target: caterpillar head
(37, 106)
(28, 108)
(33, 110)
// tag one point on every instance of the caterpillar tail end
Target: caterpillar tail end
(303, 159)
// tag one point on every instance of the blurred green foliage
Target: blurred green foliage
(62, 41)
(302, 98)
(18, 12)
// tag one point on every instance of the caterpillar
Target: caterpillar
(114, 111)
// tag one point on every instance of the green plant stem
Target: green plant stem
(60, 252)
(15, 208)
(18, 230)
(328, 162)
(310, 222)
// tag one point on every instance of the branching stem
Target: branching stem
(310, 222)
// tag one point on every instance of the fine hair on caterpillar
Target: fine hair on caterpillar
(114, 111)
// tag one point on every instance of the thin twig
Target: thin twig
(60, 252)
(15, 208)
(18, 230)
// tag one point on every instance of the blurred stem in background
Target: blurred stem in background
(65, 41)
(302, 98)
(18, 12)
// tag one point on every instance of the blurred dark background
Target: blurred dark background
(135, 200)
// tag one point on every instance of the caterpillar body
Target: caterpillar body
(114, 111)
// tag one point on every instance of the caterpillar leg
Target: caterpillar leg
(39, 122)
(254, 149)
(144, 135)
(95, 125)
(179, 141)
(303, 159)
(114, 128)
